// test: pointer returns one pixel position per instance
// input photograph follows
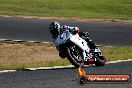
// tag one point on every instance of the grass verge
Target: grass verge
(68, 8)
(14, 55)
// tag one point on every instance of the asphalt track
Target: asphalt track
(63, 78)
(108, 33)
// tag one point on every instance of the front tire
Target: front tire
(75, 56)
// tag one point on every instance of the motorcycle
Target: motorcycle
(76, 49)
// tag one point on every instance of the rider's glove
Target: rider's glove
(74, 30)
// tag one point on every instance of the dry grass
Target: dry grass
(14, 55)
(28, 55)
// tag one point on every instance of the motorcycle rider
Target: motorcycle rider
(55, 29)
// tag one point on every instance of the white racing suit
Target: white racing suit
(74, 30)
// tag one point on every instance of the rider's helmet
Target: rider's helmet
(54, 28)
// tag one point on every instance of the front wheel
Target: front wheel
(75, 56)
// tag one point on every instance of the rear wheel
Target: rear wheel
(100, 61)
(75, 56)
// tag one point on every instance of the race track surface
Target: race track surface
(108, 33)
(63, 78)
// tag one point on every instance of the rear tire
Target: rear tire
(100, 61)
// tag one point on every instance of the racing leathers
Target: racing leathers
(75, 30)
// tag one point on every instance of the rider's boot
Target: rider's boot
(91, 44)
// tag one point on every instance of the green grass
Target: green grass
(117, 52)
(16, 55)
(121, 9)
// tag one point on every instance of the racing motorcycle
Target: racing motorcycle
(76, 49)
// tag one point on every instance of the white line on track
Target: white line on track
(59, 67)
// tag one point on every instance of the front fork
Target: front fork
(87, 56)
